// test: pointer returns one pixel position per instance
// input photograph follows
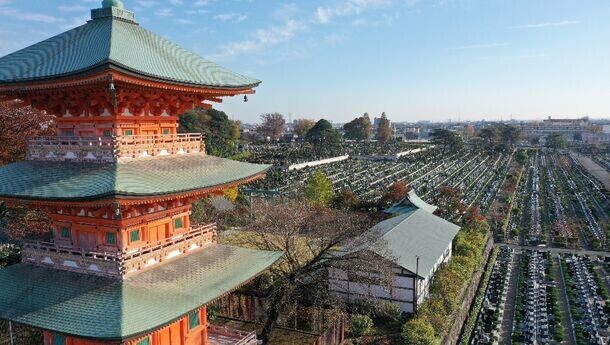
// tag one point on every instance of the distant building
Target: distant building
(571, 129)
(415, 243)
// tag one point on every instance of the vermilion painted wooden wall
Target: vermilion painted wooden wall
(177, 333)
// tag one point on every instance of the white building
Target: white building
(415, 243)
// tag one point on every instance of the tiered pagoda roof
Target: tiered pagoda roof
(142, 178)
(113, 40)
(119, 183)
(107, 309)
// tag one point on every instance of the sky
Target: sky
(433, 60)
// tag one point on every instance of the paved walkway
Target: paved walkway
(594, 169)
(562, 250)
(506, 328)
(567, 321)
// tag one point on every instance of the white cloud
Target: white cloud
(231, 17)
(30, 16)
(263, 38)
(199, 3)
(146, 3)
(68, 9)
(546, 24)
(483, 45)
(325, 14)
(176, 2)
(165, 12)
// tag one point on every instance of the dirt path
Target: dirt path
(594, 169)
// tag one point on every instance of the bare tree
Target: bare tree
(272, 125)
(310, 237)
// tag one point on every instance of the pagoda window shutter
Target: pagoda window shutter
(194, 319)
(110, 238)
(65, 233)
(58, 339)
(145, 341)
(178, 223)
(135, 235)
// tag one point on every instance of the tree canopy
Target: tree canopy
(384, 131)
(221, 133)
(323, 133)
(500, 136)
(308, 235)
(16, 125)
(556, 141)
(303, 126)
(272, 125)
(359, 128)
(319, 189)
(447, 140)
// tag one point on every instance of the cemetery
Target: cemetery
(588, 298)
(487, 325)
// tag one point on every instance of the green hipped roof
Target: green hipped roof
(110, 39)
(93, 307)
(415, 233)
(40, 180)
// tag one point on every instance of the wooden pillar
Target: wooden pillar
(204, 321)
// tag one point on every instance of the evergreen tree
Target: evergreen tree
(556, 142)
(323, 133)
(447, 140)
(359, 129)
(221, 134)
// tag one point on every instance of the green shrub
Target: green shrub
(360, 325)
(418, 331)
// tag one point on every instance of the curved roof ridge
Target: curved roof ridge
(113, 40)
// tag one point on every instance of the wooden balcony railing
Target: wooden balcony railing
(236, 337)
(118, 263)
(112, 149)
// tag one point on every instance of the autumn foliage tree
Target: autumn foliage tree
(303, 126)
(17, 123)
(449, 203)
(384, 131)
(396, 192)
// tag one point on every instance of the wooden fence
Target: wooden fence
(329, 326)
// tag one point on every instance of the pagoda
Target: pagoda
(124, 264)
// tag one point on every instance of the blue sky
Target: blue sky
(413, 59)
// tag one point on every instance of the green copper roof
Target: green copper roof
(139, 178)
(94, 307)
(415, 233)
(410, 202)
(113, 38)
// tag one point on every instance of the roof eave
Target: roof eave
(109, 65)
